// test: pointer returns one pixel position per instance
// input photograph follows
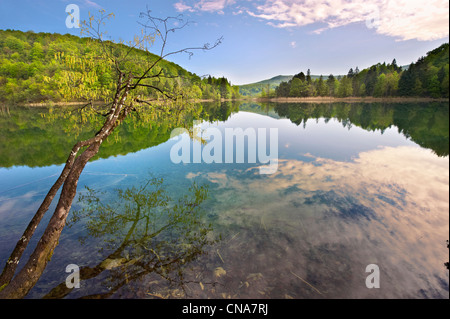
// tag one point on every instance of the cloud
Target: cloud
(92, 4)
(293, 44)
(419, 20)
(181, 7)
(403, 19)
(388, 206)
(204, 5)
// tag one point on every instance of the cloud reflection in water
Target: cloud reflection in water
(326, 220)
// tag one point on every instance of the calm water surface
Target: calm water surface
(356, 184)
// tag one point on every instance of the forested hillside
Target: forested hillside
(262, 87)
(428, 77)
(27, 59)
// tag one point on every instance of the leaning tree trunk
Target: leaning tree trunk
(20, 285)
(32, 271)
(13, 260)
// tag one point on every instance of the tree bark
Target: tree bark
(13, 260)
(32, 271)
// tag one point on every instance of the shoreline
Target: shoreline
(315, 99)
(51, 104)
(368, 99)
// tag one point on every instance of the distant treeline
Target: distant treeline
(428, 77)
(26, 58)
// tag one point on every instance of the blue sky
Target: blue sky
(264, 38)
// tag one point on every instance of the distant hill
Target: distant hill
(257, 88)
(276, 79)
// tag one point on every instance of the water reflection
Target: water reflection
(325, 221)
(31, 137)
(146, 233)
(352, 188)
(426, 124)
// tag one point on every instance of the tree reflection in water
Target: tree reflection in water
(147, 231)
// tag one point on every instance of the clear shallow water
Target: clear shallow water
(353, 187)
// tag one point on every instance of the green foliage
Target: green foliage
(322, 88)
(428, 77)
(345, 87)
(297, 87)
(44, 67)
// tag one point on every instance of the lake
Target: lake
(355, 185)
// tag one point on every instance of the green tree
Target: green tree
(445, 82)
(362, 90)
(283, 89)
(406, 82)
(196, 92)
(418, 88)
(37, 52)
(296, 87)
(336, 86)
(345, 88)
(392, 81)
(434, 87)
(380, 86)
(350, 73)
(322, 88)
(308, 76)
(301, 76)
(331, 83)
(14, 43)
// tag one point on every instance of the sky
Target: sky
(262, 38)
